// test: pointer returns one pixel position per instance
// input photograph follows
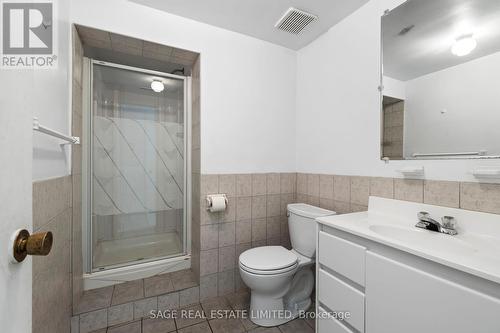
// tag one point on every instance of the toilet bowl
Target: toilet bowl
(281, 281)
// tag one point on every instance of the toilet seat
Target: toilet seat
(268, 260)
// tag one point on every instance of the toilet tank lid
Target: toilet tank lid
(308, 210)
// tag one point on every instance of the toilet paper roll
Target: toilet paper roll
(218, 204)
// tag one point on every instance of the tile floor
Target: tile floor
(200, 321)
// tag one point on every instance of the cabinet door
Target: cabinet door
(400, 298)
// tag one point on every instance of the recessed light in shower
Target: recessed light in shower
(463, 45)
(157, 86)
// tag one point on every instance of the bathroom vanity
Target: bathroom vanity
(378, 273)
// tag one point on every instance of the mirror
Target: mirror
(441, 80)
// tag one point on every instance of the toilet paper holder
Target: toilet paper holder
(210, 197)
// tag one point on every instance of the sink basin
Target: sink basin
(424, 239)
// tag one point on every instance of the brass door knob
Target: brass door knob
(38, 244)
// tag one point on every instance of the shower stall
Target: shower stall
(136, 173)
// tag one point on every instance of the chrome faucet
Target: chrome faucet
(447, 225)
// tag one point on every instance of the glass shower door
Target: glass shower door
(137, 166)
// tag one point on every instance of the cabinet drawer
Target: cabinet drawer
(330, 325)
(339, 296)
(343, 257)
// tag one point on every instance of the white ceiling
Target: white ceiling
(257, 17)
(426, 48)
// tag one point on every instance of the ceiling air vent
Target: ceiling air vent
(294, 21)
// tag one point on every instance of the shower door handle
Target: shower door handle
(37, 244)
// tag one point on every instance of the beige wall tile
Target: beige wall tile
(143, 307)
(226, 258)
(128, 291)
(302, 183)
(326, 187)
(209, 235)
(226, 234)
(273, 228)
(288, 182)
(259, 204)
(480, 197)
(93, 321)
(342, 188)
(259, 184)
(229, 215)
(50, 198)
(209, 262)
(382, 187)
(285, 200)
(341, 207)
(313, 185)
(157, 285)
(209, 184)
(273, 183)
(120, 314)
(358, 208)
(243, 185)
(302, 198)
(243, 231)
(243, 208)
(360, 190)
(409, 190)
(442, 193)
(225, 282)
(273, 205)
(208, 287)
(326, 203)
(259, 227)
(227, 185)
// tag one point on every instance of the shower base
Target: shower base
(127, 250)
(136, 256)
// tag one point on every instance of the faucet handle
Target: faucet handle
(449, 222)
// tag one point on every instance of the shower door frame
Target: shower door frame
(87, 163)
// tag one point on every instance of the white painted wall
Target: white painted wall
(247, 85)
(52, 107)
(468, 93)
(338, 110)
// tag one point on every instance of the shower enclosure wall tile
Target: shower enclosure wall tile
(189, 296)
(120, 314)
(259, 184)
(158, 285)
(143, 307)
(184, 279)
(128, 291)
(51, 197)
(92, 321)
(168, 302)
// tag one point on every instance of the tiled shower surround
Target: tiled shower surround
(256, 216)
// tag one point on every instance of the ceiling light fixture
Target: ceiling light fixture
(463, 45)
(157, 86)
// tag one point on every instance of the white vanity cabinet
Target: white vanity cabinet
(389, 291)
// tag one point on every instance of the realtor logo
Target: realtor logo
(28, 35)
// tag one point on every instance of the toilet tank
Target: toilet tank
(302, 227)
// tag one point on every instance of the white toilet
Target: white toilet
(281, 281)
